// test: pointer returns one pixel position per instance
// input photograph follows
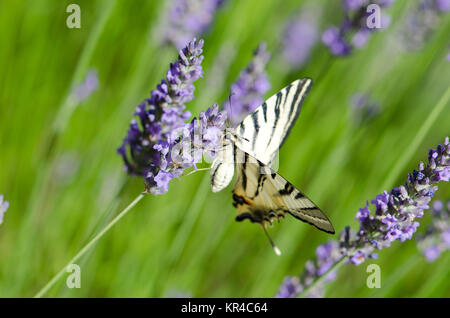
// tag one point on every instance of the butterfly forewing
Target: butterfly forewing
(263, 132)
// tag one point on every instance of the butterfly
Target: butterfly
(260, 194)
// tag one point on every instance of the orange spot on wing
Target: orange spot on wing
(248, 201)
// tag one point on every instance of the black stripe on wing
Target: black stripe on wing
(276, 111)
(264, 109)
(265, 130)
(255, 126)
(213, 174)
(301, 91)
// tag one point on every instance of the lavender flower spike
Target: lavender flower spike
(248, 91)
(353, 32)
(187, 19)
(4, 205)
(160, 144)
(290, 288)
(160, 116)
(326, 256)
(394, 219)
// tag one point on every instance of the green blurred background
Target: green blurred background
(65, 181)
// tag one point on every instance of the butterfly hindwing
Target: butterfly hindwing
(262, 195)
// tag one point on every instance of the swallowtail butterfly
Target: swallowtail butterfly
(260, 194)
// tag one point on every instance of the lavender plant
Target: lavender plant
(163, 144)
(248, 91)
(187, 19)
(443, 5)
(436, 238)
(326, 256)
(353, 32)
(4, 205)
(394, 218)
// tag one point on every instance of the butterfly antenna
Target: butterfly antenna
(275, 248)
(228, 122)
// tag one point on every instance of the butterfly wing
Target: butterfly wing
(261, 133)
(264, 131)
(262, 195)
(222, 168)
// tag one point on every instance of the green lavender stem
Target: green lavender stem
(417, 140)
(65, 111)
(86, 248)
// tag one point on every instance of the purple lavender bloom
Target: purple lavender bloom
(394, 218)
(330, 35)
(432, 253)
(163, 113)
(354, 4)
(353, 31)
(326, 255)
(162, 180)
(445, 237)
(160, 144)
(357, 258)
(443, 5)
(396, 211)
(436, 238)
(300, 36)
(89, 85)
(248, 91)
(363, 214)
(334, 39)
(4, 205)
(290, 288)
(360, 38)
(188, 19)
